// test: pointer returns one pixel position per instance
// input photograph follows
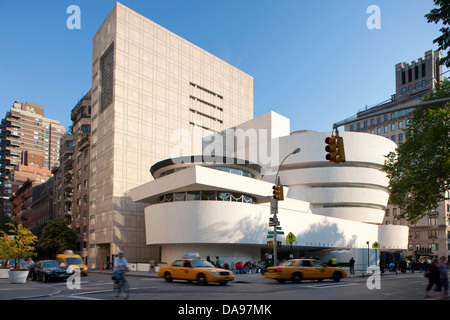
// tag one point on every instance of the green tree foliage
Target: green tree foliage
(56, 237)
(18, 244)
(442, 13)
(6, 252)
(4, 220)
(419, 173)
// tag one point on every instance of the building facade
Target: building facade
(63, 184)
(25, 128)
(389, 119)
(220, 206)
(21, 203)
(81, 132)
(42, 204)
(150, 88)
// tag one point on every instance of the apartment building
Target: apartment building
(42, 204)
(389, 119)
(24, 128)
(71, 187)
(63, 175)
(81, 132)
(152, 92)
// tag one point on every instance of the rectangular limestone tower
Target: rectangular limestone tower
(150, 89)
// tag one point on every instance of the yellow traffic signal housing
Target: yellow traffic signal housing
(270, 244)
(278, 193)
(335, 149)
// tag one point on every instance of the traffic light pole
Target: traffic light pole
(275, 243)
(275, 210)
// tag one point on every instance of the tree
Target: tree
(5, 248)
(57, 237)
(436, 15)
(20, 245)
(4, 219)
(419, 173)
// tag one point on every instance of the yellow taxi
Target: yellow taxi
(68, 258)
(297, 270)
(192, 268)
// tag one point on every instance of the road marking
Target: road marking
(325, 286)
(85, 298)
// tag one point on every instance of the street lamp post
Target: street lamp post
(275, 209)
(368, 254)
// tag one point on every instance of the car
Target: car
(47, 270)
(68, 258)
(12, 263)
(195, 269)
(296, 270)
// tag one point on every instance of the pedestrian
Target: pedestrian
(30, 266)
(218, 262)
(442, 266)
(255, 266)
(333, 262)
(403, 266)
(391, 267)
(413, 266)
(240, 268)
(433, 278)
(352, 265)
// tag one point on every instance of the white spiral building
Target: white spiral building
(220, 206)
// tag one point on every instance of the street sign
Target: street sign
(270, 236)
(278, 228)
(274, 224)
(279, 232)
(375, 245)
(271, 232)
(273, 207)
(290, 238)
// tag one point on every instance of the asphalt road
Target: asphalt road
(254, 287)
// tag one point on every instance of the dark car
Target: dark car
(47, 270)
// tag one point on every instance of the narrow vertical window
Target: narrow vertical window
(107, 79)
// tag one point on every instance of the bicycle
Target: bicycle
(121, 286)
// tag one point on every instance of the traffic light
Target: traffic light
(270, 243)
(279, 244)
(335, 149)
(278, 192)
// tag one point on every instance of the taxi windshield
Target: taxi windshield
(201, 264)
(50, 264)
(74, 260)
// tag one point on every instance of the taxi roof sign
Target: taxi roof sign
(191, 255)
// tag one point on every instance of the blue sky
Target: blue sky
(313, 63)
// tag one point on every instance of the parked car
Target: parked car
(22, 264)
(297, 270)
(47, 270)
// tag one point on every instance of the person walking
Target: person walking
(442, 266)
(433, 278)
(352, 265)
(218, 262)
